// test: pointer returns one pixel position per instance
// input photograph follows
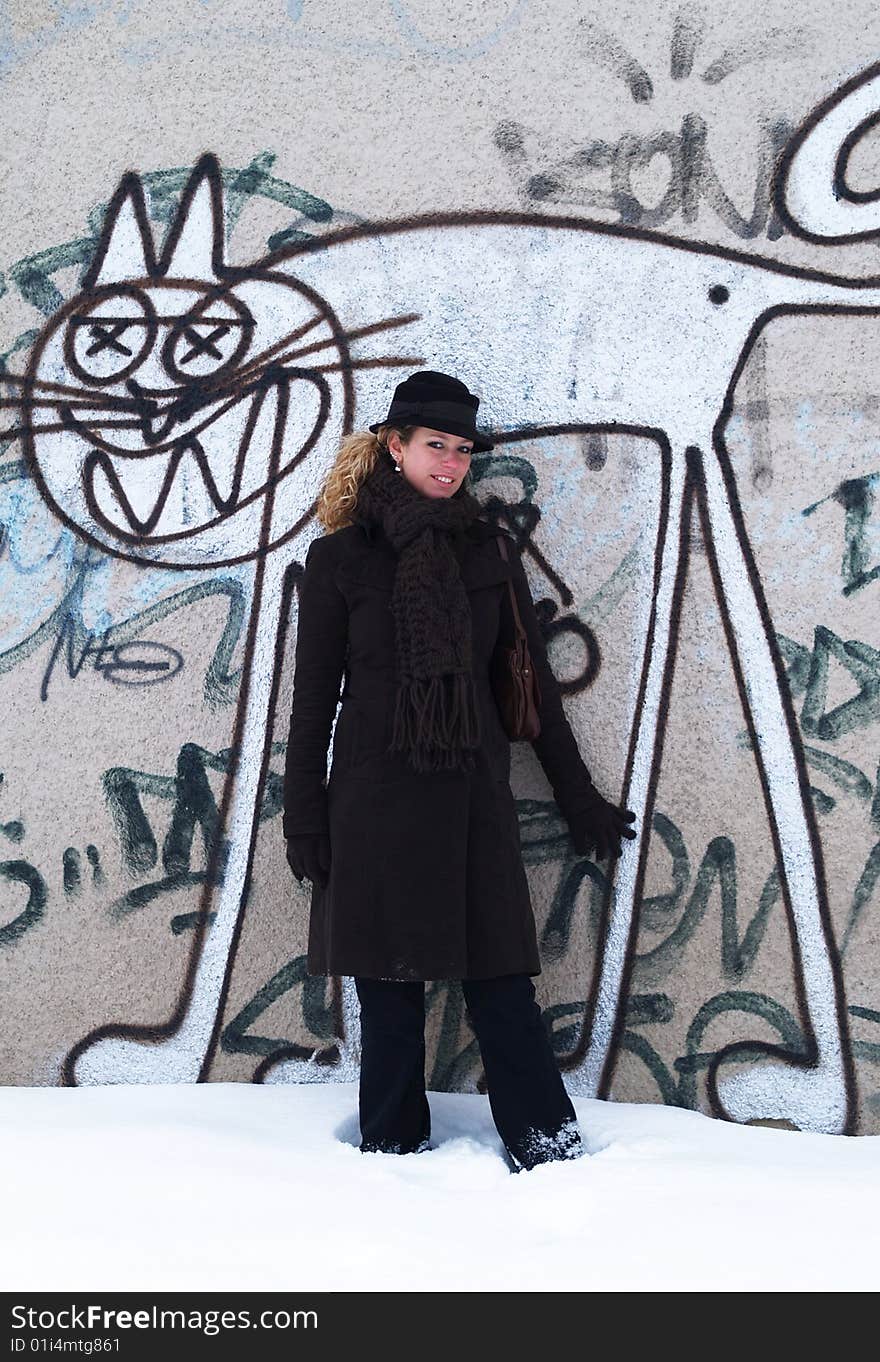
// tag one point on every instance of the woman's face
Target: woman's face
(430, 456)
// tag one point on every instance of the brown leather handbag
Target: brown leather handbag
(513, 678)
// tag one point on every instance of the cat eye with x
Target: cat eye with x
(115, 336)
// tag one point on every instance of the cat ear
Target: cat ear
(125, 249)
(195, 245)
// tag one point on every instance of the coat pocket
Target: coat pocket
(360, 739)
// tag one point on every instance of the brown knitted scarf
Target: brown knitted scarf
(436, 719)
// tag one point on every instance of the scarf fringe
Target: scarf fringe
(437, 721)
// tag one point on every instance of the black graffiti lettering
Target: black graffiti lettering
(856, 496)
(235, 1038)
(185, 922)
(119, 668)
(137, 841)
(677, 1083)
(862, 708)
(22, 872)
(72, 868)
(192, 806)
(692, 176)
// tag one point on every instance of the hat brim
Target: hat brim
(449, 427)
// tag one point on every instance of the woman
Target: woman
(413, 845)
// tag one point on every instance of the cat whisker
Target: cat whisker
(386, 324)
(227, 388)
(346, 365)
(376, 362)
(89, 404)
(246, 379)
(257, 361)
(63, 389)
(282, 365)
(49, 428)
(370, 329)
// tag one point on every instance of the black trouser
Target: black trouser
(531, 1109)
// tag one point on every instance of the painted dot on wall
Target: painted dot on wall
(718, 293)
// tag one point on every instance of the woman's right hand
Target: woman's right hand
(308, 854)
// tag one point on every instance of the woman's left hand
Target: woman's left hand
(597, 825)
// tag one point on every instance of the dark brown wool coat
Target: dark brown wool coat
(426, 878)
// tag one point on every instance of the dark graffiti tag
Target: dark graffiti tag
(118, 663)
(603, 174)
(856, 497)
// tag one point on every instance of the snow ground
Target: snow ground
(237, 1186)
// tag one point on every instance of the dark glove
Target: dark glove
(596, 824)
(308, 854)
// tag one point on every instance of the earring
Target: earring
(397, 467)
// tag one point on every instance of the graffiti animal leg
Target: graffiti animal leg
(179, 1057)
(207, 465)
(586, 1077)
(813, 1094)
(179, 1051)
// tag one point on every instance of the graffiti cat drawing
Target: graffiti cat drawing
(181, 411)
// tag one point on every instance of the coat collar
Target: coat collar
(482, 565)
(477, 532)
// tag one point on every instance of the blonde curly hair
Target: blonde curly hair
(355, 460)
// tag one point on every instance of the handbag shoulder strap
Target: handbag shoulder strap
(502, 549)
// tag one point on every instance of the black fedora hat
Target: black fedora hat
(428, 398)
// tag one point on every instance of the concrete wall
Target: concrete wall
(646, 235)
